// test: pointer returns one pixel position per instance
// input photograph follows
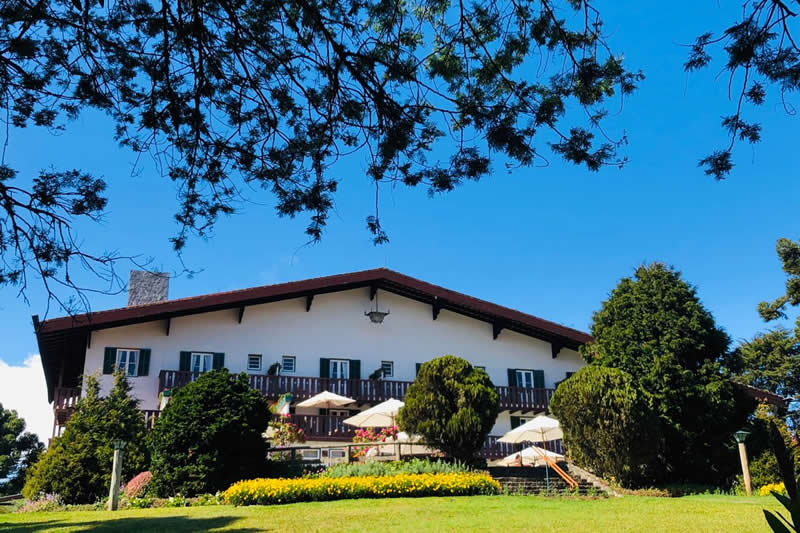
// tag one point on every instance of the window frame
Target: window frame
(126, 366)
(260, 362)
(341, 413)
(204, 355)
(390, 374)
(293, 358)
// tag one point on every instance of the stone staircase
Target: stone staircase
(533, 481)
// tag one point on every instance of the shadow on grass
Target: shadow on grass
(166, 523)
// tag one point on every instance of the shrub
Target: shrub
(141, 503)
(380, 468)
(77, 466)
(452, 405)
(176, 501)
(42, 503)
(209, 436)
(137, 486)
(208, 499)
(608, 426)
(272, 491)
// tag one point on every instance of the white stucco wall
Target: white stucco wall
(334, 328)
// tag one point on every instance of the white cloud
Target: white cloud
(23, 389)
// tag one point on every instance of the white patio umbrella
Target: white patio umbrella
(532, 455)
(381, 416)
(326, 400)
(540, 429)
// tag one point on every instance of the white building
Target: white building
(318, 332)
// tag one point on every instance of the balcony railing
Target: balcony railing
(361, 390)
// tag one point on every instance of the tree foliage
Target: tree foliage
(77, 465)
(770, 361)
(19, 450)
(654, 327)
(209, 436)
(609, 426)
(234, 96)
(762, 59)
(452, 405)
(789, 254)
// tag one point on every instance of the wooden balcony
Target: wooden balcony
(361, 390)
(316, 427)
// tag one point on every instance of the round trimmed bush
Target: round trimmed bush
(608, 425)
(209, 436)
(452, 405)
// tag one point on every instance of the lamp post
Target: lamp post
(740, 437)
(116, 474)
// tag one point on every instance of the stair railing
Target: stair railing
(558, 470)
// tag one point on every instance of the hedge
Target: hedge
(273, 491)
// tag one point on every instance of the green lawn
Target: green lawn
(691, 514)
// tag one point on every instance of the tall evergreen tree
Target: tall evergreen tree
(654, 327)
(77, 466)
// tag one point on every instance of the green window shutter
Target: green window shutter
(323, 411)
(324, 367)
(185, 362)
(354, 412)
(418, 367)
(109, 360)
(355, 369)
(219, 361)
(538, 379)
(514, 422)
(144, 362)
(512, 377)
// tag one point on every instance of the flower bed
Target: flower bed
(272, 491)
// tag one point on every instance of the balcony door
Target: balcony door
(339, 369)
(525, 379)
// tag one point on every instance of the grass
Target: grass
(690, 514)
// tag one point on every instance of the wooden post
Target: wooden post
(741, 437)
(116, 475)
(349, 453)
(745, 468)
(397, 451)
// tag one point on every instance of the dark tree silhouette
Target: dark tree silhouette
(234, 96)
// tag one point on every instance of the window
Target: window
(337, 453)
(128, 361)
(388, 368)
(202, 362)
(254, 361)
(310, 455)
(288, 363)
(339, 412)
(340, 369)
(525, 379)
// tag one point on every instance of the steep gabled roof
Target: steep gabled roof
(59, 336)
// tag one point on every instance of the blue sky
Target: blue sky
(549, 241)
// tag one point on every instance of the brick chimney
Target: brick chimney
(147, 287)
